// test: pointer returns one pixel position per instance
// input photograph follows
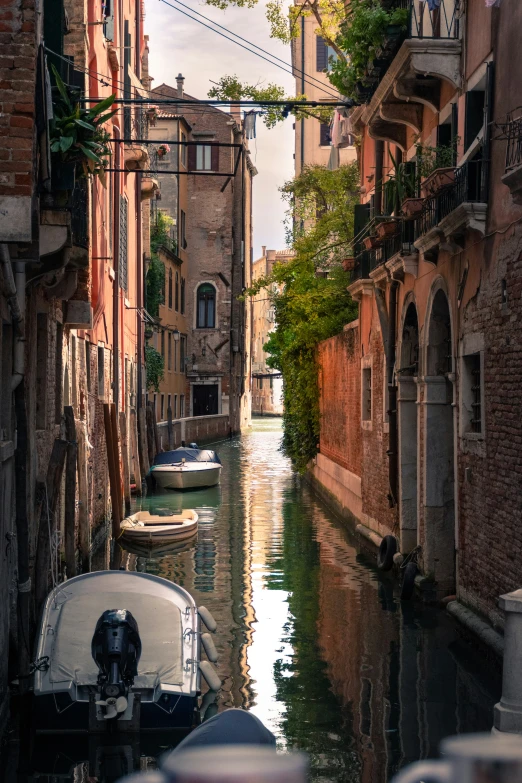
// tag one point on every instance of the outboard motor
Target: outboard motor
(193, 446)
(116, 648)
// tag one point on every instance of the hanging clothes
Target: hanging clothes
(335, 129)
(432, 4)
(249, 124)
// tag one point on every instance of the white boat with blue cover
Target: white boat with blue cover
(118, 648)
(186, 468)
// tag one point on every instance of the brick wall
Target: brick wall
(340, 400)
(198, 429)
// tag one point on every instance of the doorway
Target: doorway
(439, 478)
(205, 399)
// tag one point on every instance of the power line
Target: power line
(255, 46)
(231, 39)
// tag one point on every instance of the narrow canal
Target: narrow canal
(311, 637)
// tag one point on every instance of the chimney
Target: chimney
(179, 82)
(263, 249)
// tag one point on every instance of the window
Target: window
(162, 408)
(183, 149)
(170, 289)
(206, 312)
(321, 54)
(182, 297)
(122, 256)
(204, 157)
(163, 343)
(176, 293)
(182, 352)
(474, 118)
(74, 382)
(472, 393)
(181, 406)
(325, 138)
(101, 372)
(88, 365)
(366, 412)
(271, 382)
(169, 409)
(175, 411)
(175, 356)
(182, 229)
(169, 352)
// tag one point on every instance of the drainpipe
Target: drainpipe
(15, 294)
(116, 281)
(392, 397)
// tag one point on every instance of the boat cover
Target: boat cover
(159, 625)
(189, 455)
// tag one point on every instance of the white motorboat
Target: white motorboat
(120, 650)
(186, 468)
(155, 529)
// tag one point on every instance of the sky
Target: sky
(178, 44)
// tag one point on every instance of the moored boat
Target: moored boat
(119, 649)
(156, 529)
(186, 468)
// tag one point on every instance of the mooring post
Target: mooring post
(508, 712)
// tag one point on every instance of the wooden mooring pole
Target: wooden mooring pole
(70, 491)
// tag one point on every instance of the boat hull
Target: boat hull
(188, 476)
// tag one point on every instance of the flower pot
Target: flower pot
(412, 207)
(386, 229)
(437, 180)
(370, 243)
(148, 333)
(348, 264)
(63, 175)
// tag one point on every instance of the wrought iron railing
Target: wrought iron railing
(513, 133)
(401, 242)
(470, 185)
(440, 22)
(135, 123)
(79, 205)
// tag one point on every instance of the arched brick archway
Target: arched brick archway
(407, 372)
(439, 446)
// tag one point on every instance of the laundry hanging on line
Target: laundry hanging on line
(432, 4)
(249, 124)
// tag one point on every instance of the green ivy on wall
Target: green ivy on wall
(155, 365)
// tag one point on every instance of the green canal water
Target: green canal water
(311, 638)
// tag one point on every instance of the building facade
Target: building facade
(216, 231)
(267, 383)
(419, 396)
(310, 61)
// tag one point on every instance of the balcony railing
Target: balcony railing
(441, 22)
(135, 123)
(470, 185)
(401, 242)
(79, 202)
(513, 133)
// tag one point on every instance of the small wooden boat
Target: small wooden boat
(186, 468)
(120, 651)
(155, 529)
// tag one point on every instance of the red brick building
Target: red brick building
(420, 397)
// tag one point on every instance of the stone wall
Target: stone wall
(195, 429)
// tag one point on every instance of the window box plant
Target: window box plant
(348, 264)
(411, 208)
(436, 166)
(387, 228)
(437, 181)
(371, 243)
(78, 140)
(163, 150)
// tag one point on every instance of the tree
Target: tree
(309, 296)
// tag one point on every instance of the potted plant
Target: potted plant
(348, 264)
(77, 139)
(152, 115)
(371, 243)
(436, 167)
(388, 227)
(400, 190)
(411, 208)
(163, 150)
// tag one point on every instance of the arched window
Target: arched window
(206, 318)
(182, 296)
(176, 293)
(170, 288)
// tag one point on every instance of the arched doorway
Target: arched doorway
(439, 477)
(408, 430)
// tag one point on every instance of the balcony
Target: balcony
(135, 127)
(64, 226)
(511, 131)
(412, 77)
(450, 213)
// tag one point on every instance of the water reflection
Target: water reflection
(310, 637)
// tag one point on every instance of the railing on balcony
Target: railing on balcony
(470, 185)
(401, 242)
(135, 123)
(79, 205)
(513, 133)
(442, 21)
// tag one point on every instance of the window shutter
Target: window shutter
(122, 257)
(361, 216)
(192, 157)
(321, 54)
(474, 116)
(214, 158)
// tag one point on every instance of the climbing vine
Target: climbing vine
(155, 283)
(309, 296)
(155, 365)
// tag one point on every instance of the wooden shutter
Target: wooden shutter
(123, 254)
(192, 157)
(361, 216)
(321, 53)
(474, 116)
(214, 152)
